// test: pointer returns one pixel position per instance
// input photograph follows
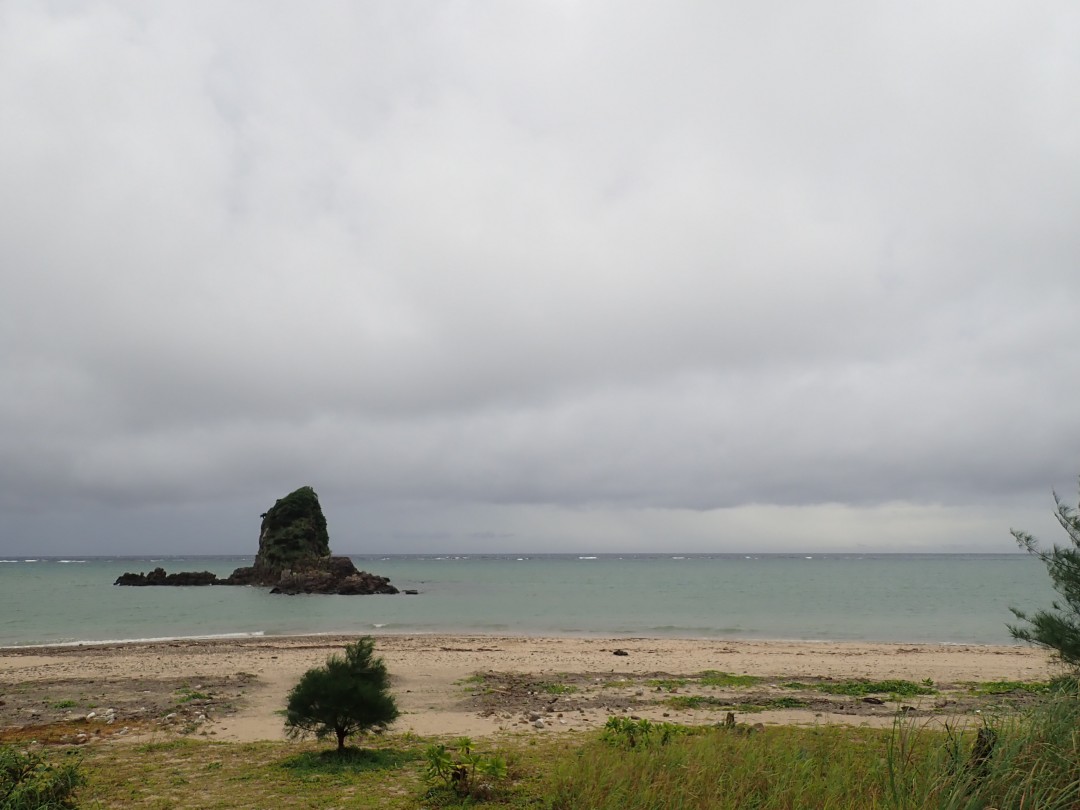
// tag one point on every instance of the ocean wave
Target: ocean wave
(148, 640)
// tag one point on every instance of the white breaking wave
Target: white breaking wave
(150, 640)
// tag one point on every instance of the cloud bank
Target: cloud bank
(501, 277)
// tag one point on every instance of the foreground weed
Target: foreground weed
(463, 771)
(1026, 761)
(29, 782)
(1030, 760)
(627, 733)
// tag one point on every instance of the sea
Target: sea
(936, 598)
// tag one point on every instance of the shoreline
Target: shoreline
(585, 635)
(478, 684)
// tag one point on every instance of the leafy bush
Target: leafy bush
(28, 782)
(1057, 629)
(458, 769)
(627, 733)
(349, 695)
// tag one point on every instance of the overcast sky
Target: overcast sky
(539, 276)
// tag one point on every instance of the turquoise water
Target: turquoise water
(929, 598)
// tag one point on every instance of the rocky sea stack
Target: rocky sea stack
(294, 557)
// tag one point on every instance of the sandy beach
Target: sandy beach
(476, 685)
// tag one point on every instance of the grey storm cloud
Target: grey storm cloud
(529, 276)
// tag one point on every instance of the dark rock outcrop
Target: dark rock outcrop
(335, 575)
(159, 577)
(294, 557)
(292, 537)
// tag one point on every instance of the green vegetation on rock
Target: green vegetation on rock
(293, 533)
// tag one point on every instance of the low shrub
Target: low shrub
(464, 771)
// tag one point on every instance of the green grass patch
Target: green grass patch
(720, 704)
(861, 688)
(697, 702)
(712, 677)
(709, 677)
(64, 704)
(190, 774)
(558, 688)
(784, 703)
(329, 761)
(667, 684)
(476, 679)
(1008, 687)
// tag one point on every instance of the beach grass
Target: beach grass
(1022, 761)
(1028, 759)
